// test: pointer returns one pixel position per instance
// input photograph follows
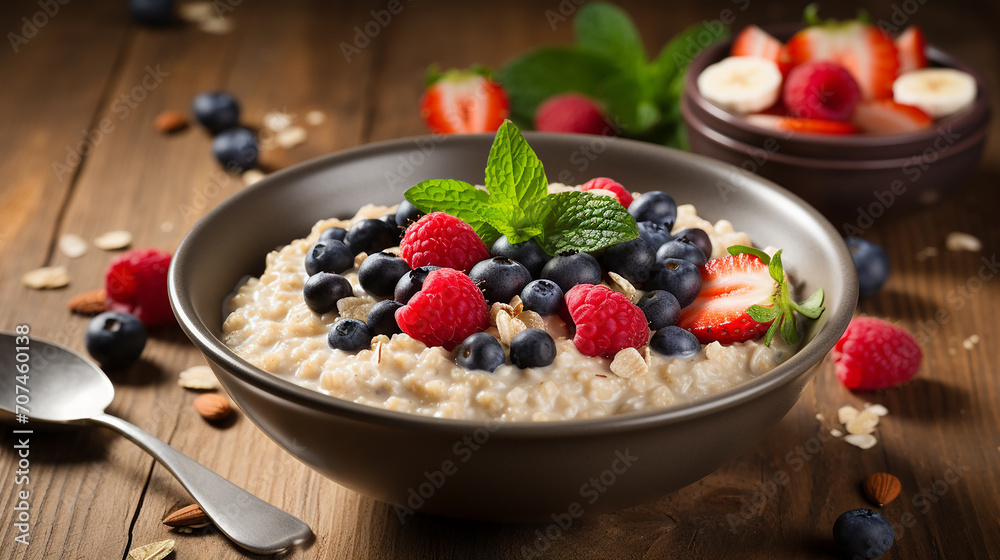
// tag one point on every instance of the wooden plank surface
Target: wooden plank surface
(96, 495)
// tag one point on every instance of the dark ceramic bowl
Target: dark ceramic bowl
(846, 177)
(509, 471)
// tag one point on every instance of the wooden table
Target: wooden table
(95, 495)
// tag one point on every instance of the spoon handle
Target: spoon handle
(246, 519)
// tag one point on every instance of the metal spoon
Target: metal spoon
(63, 387)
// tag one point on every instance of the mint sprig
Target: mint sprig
(781, 309)
(515, 202)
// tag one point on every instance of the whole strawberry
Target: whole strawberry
(136, 283)
(606, 321)
(447, 309)
(439, 239)
(874, 354)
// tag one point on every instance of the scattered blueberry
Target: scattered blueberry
(532, 348)
(863, 533)
(568, 270)
(500, 278)
(153, 12)
(411, 282)
(529, 254)
(542, 296)
(323, 289)
(380, 272)
(371, 236)
(480, 351)
(329, 256)
(699, 238)
(115, 339)
(674, 342)
(681, 248)
(216, 110)
(382, 318)
(632, 260)
(654, 206)
(330, 234)
(406, 214)
(654, 234)
(677, 276)
(236, 149)
(872, 264)
(349, 335)
(660, 307)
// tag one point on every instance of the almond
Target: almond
(186, 517)
(170, 121)
(88, 303)
(882, 488)
(212, 406)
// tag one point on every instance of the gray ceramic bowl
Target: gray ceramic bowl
(511, 471)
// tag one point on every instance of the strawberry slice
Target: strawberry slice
(754, 41)
(463, 101)
(867, 53)
(743, 296)
(808, 126)
(912, 49)
(885, 116)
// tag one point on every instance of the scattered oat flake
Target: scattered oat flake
(864, 423)
(846, 413)
(628, 362)
(113, 240)
(497, 308)
(927, 253)
(217, 25)
(377, 352)
(836, 433)
(970, 342)
(196, 11)
(72, 245)
(878, 410)
(864, 441)
(200, 378)
(532, 320)
(517, 305)
(621, 285)
(252, 176)
(354, 308)
(508, 327)
(277, 120)
(46, 278)
(167, 227)
(315, 118)
(152, 551)
(820, 417)
(958, 241)
(291, 137)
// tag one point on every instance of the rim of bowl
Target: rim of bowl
(807, 357)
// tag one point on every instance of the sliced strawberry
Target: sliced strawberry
(464, 101)
(885, 116)
(912, 49)
(807, 126)
(867, 53)
(754, 41)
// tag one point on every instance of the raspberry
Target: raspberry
(821, 90)
(136, 283)
(873, 354)
(570, 112)
(447, 309)
(606, 321)
(442, 240)
(623, 196)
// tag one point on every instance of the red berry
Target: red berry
(885, 116)
(873, 354)
(729, 286)
(439, 239)
(862, 48)
(447, 309)
(462, 101)
(623, 196)
(821, 90)
(570, 112)
(606, 321)
(136, 283)
(911, 48)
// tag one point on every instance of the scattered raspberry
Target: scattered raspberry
(623, 196)
(873, 354)
(441, 240)
(821, 90)
(606, 321)
(136, 283)
(447, 309)
(570, 112)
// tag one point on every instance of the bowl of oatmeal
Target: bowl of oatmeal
(399, 420)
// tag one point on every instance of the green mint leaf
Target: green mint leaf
(775, 269)
(580, 221)
(763, 314)
(459, 199)
(515, 177)
(737, 249)
(607, 30)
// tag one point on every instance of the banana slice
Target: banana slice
(937, 91)
(741, 84)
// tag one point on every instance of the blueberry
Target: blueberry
(480, 351)
(389, 218)
(568, 270)
(863, 533)
(153, 12)
(654, 206)
(871, 263)
(529, 254)
(699, 238)
(329, 256)
(379, 273)
(542, 296)
(349, 335)
(216, 110)
(654, 234)
(236, 149)
(371, 236)
(681, 248)
(323, 290)
(660, 307)
(333, 233)
(532, 348)
(677, 276)
(115, 339)
(406, 214)
(631, 260)
(411, 282)
(500, 278)
(674, 342)
(382, 318)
